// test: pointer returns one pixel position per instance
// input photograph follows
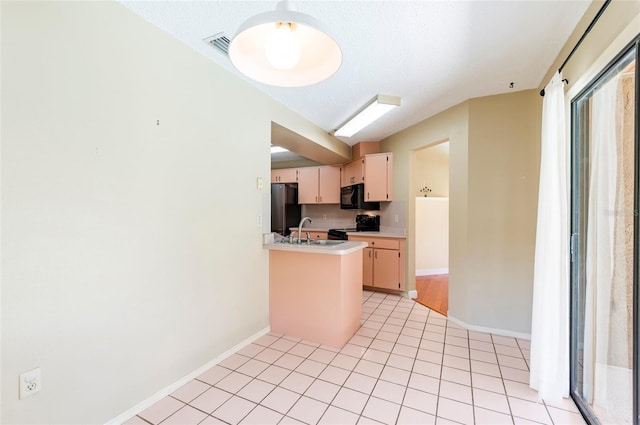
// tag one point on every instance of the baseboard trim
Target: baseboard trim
(413, 294)
(501, 332)
(125, 416)
(431, 272)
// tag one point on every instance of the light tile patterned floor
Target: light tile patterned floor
(406, 365)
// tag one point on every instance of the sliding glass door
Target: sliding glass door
(604, 244)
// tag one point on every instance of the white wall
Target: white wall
(432, 236)
(130, 250)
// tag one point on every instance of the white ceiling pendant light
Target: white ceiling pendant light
(284, 48)
(377, 107)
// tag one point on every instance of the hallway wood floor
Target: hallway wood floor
(433, 292)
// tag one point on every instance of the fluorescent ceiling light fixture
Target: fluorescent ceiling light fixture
(380, 105)
(278, 149)
(284, 48)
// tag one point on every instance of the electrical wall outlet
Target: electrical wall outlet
(30, 383)
(259, 221)
(324, 217)
(395, 218)
(259, 183)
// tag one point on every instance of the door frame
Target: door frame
(576, 243)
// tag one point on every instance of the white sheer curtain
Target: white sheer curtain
(550, 315)
(607, 376)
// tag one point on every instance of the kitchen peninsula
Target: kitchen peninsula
(315, 290)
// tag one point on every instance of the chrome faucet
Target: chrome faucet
(300, 227)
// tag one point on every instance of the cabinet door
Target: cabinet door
(308, 185)
(385, 268)
(329, 185)
(284, 175)
(367, 267)
(352, 173)
(375, 178)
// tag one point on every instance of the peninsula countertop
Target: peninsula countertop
(332, 248)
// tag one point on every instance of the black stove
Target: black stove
(364, 223)
(340, 234)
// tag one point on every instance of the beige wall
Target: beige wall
(432, 170)
(130, 251)
(493, 188)
(504, 138)
(492, 147)
(617, 26)
(432, 235)
(451, 125)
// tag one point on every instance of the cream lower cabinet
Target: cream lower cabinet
(316, 235)
(312, 235)
(383, 262)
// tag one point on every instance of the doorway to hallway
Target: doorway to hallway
(432, 226)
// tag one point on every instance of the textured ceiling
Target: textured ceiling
(433, 54)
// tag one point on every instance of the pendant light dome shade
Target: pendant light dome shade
(284, 48)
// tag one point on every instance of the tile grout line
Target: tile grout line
(473, 399)
(506, 393)
(387, 307)
(254, 378)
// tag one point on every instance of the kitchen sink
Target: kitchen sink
(326, 242)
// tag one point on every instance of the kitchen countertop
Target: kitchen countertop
(347, 247)
(388, 233)
(385, 232)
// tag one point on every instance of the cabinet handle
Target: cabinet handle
(375, 255)
(321, 199)
(369, 253)
(368, 195)
(316, 199)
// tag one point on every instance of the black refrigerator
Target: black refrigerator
(285, 210)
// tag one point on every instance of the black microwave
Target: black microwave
(352, 198)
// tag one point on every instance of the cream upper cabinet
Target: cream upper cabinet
(284, 175)
(378, 177)
(308, 185)
(329, 185)
(352, 173)
(375, 171)
(319, 185)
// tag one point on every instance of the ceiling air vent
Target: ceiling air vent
(220, 42)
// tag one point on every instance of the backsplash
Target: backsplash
(390, 210)
(331, 216)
